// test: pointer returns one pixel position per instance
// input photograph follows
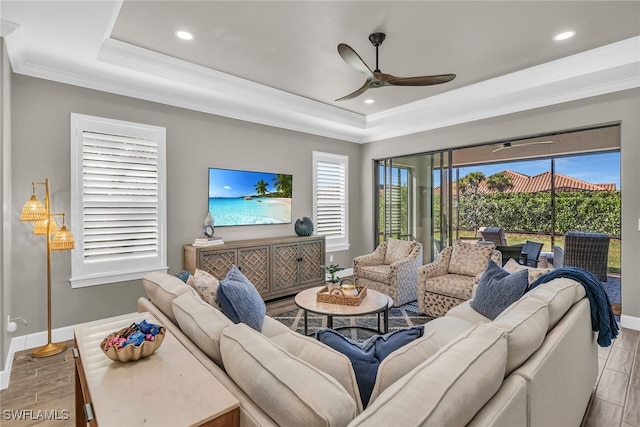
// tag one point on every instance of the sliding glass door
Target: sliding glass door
(411, 205)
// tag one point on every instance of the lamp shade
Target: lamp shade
(33, 210)
(63, 240)
(40, 227)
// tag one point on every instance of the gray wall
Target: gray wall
(623, 107)
(195, 141)
(5, 193)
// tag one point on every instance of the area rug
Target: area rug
(399, 317)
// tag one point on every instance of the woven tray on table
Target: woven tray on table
(336, 296)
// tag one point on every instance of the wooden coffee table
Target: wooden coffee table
(169, 388)
(373, 303)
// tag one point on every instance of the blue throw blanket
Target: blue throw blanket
(602, 318)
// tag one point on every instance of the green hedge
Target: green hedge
(595, 211)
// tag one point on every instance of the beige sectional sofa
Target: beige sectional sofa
(534, 365)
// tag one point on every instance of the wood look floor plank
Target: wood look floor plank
(627, 339)
(620, 359)
(612, 387)
(603, 413)
(632, 407)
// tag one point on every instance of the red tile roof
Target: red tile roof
(535, 184)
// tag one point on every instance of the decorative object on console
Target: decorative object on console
(240, 301)
(208, 228)
(366, 357)
(208, 241)
(45, 224)
(498, 289)
(304, 227)
(135, 342)
(347, 294)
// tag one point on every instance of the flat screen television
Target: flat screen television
(239, 197)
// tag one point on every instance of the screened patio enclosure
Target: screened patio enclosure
(420, 196)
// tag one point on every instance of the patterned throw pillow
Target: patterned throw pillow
(206, 286)
(498, 289)
(397, 250)
(469, 259)
(240, 300)
(512, 266)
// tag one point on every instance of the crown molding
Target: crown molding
(129, 70)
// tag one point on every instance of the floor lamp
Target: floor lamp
(45, 224)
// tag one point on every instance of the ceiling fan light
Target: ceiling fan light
(369, 101)
(564, 35)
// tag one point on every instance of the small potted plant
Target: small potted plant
(332, 269)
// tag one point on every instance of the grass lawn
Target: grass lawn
(516, 238)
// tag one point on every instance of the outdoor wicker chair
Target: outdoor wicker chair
(493, 234)
(589, 251)
(530, 253)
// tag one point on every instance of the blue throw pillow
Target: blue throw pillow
(240, 300)
(365, 357)
(498, 289)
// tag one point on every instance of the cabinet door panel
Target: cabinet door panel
(285, 265)
(218, 263)
(311, 257)
(254, 264)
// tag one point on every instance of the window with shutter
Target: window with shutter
(118, 207)
(330, 177)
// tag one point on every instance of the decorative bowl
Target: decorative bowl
(131, 352)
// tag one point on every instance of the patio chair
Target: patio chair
(589, 251)
(493, 234)
(530, 253)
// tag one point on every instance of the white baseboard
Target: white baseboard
(630, 322)
(34, 340)
(345, 272)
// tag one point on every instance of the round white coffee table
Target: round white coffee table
(373, 303)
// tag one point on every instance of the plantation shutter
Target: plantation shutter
(119, 218)
(330, 202)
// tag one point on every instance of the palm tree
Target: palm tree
(499, 182)
(471, 183)
(261, 187)
(283, 184)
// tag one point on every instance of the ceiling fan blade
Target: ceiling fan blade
(532, 143)
(502, 147)
(352, 58)
(358, 92)
(418, 81)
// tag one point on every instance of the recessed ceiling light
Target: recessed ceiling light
(564, 35)
(369, 101)
(184, 35)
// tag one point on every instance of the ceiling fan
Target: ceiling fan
(377, 78)
(504, 145)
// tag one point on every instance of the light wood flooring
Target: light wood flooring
(46, 386)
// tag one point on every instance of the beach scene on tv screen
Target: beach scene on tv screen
(239, 197)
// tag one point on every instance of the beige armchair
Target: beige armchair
(450, 279)
(391, 269)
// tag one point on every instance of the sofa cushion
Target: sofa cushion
(447, 389)
(366, 356)
(323, 357)
(240, 300)
(498, 289)
(162, 289)
(469, 259)
(206, 286)
(397, 250)
(512, 266)
(560, 294)
(526, 323)
(464, 311)
(202, 323)
(289, 390)
(403, 360)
